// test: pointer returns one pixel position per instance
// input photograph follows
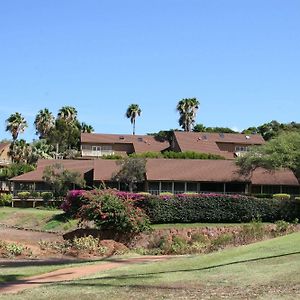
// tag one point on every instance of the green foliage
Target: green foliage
(217, 208)
(61, 180)
(16, 124)
(282, 152)
(109, 212)
(112, 156)
(23, 195)
(282, 196)
(15, 169)
(88, 244)
(190, 155)
(132, 112)
(221, 241)
(19, 151)
(47, 196)
(5, 199)
(202, 128)
(132, 171)
(148, 154)
(177, 155)
(35, 194)
(282, 226)
(187, 109)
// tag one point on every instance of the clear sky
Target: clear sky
(241, 59)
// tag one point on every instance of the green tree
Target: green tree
(15, 169)
(280, 152)
(132, 171)
(40, 150)
(202, 128)
(187, 109)
(44, 122)
(61, 180)
(132, 112)
(67, 113)
(16, 124)
(19, 151)
(86, 128)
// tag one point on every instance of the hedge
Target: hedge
(217, 208)
(205, 208)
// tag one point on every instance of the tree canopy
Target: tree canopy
(132, 171)
(280, 152)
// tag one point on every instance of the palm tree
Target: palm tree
(86, 128)
(68, 114)
(132, 112)
(41, 150)
(19, 151)
(44, 122)
(16, 124)
(187, 109)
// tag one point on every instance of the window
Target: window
(102, 150)
(241, 148)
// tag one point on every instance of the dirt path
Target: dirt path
(72, 273)
(26, 236)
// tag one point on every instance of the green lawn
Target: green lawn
(265, 270)
(38, 219)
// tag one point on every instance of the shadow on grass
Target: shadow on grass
(85, 282)
(9, 278)
(152, 274)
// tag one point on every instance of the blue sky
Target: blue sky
(239, 58)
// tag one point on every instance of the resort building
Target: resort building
(227, 145)
(95, 145)
(171, 175)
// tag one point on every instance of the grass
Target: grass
(38, 219)
(265, 270)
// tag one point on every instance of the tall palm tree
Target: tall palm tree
(86, 128)
(16, 124)
(44, 121)
(132, 112)
(67, 113)
(187, 109)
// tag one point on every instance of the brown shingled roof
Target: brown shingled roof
(208, 142)
(193, 170)
(141, 143)
(80, 166)
(171, 170)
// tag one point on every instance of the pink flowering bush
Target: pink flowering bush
(73, 201)
(112, 212)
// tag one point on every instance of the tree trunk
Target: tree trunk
(133, 127)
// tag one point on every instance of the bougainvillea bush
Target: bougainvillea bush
(107, 210)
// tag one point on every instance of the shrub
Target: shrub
(89, 244)
(264, 196)
(35, 194)
(282, 196)
(73, 201)
(110, 212)
(221, 241)
(47, 196)
(5, 199)
(23, 195)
